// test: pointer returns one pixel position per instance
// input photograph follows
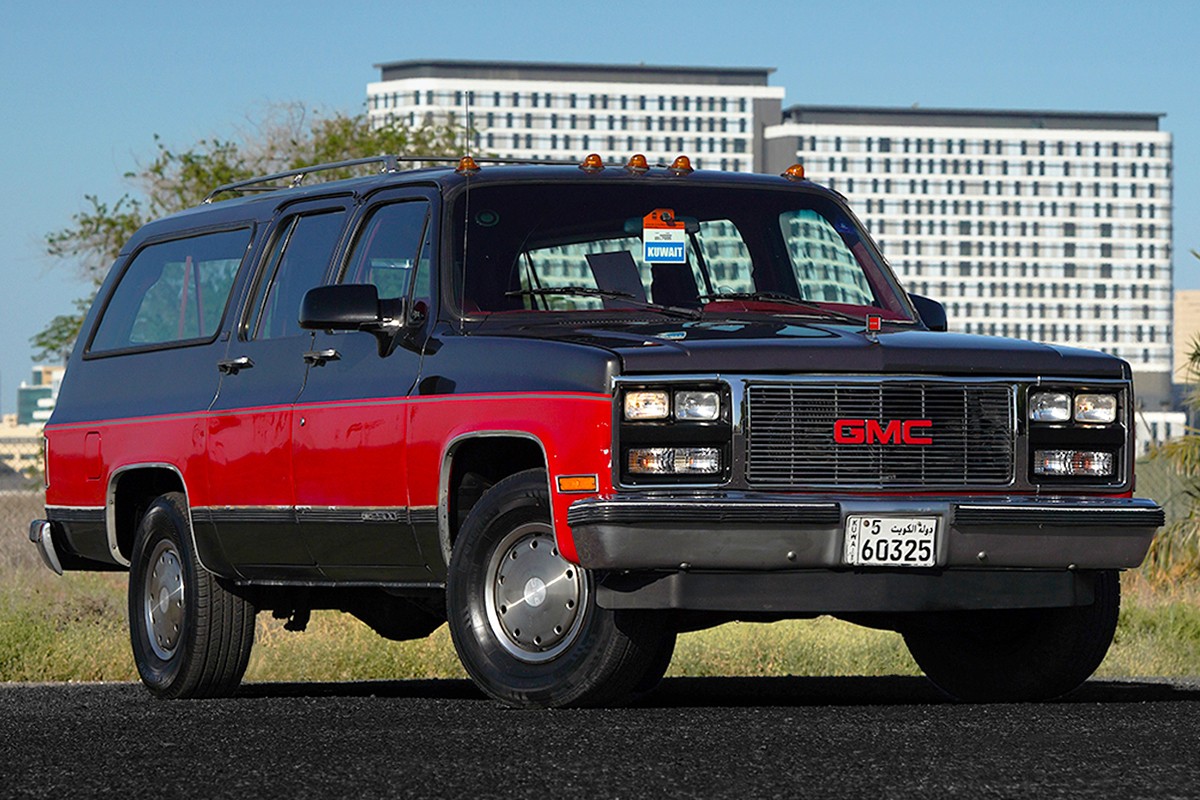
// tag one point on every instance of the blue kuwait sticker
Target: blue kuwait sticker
(665, 253)
(664, 246)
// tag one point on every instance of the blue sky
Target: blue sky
(84, 86)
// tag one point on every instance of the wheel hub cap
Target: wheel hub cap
(535, 597)
(163, 600)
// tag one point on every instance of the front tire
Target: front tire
(191, 637)
(1018, 655)
(524, 620)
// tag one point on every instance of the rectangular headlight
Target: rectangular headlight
(674, 461)
(1073, 463)
(647, 405)
(697, 405)
(1096, 408)
(1049, 407)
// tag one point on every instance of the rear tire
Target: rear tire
(1018, 655)
(524, 620)
(191, 637)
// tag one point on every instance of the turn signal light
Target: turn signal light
(1073, 463)
(674, 461)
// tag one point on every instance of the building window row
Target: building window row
(998, 147)
(595, 100)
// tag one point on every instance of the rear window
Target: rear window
(172, 293)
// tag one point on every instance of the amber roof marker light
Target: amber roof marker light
(682, 166)
(467, 166)
(794, 173)
(638, 163)
(593, 163)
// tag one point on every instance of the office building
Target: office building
(1045, 225)
(566, 111)
(35, 399)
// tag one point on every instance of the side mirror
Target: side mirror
(341, 307)
(932, 313)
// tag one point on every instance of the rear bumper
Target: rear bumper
(754, 532)
(41, 533)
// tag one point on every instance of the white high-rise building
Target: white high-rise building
(1045, 225)
(1051, 226)
(565, 111)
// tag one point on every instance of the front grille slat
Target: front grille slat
(790, 441)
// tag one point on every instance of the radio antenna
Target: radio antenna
(462, 304)
(467, 122)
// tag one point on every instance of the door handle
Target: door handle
(318, 358)
(231, 366)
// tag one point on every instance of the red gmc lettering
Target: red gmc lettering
(869, 431)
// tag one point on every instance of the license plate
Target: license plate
(890, 541)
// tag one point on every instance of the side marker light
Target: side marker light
(578, 483)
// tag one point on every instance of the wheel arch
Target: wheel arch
(494, 455)
(131, 489)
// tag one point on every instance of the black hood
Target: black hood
(788, 347)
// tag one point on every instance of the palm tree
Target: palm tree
(1176, 551)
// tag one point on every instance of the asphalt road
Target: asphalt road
(744, 738)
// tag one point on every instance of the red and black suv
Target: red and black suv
(573, 411)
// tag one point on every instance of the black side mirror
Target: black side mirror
(342, 307)
(932, 313)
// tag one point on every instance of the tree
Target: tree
(1176, 550)
(286, 137)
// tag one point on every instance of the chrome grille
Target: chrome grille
(790, 435)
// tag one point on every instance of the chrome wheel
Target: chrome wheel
(534, 598)
(162, 600)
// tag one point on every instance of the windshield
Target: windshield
(584, 248)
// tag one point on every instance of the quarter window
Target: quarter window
(172, 292)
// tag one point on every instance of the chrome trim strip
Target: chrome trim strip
(443, 506)
(433, 585)
(110, 508)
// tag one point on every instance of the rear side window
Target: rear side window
(172, 292)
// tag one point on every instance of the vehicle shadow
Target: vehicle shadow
(750, 691)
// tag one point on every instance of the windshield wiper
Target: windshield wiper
(593, 291)
(780, 297)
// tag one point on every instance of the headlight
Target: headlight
(646, 405)
(697, 405)
(1096, 408)
(1050, 407)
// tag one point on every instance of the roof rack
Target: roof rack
(389, 163)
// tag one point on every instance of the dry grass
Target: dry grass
(73, 629)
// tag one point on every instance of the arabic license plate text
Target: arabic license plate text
(890, 541)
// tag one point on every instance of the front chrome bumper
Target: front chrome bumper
(755, 532)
